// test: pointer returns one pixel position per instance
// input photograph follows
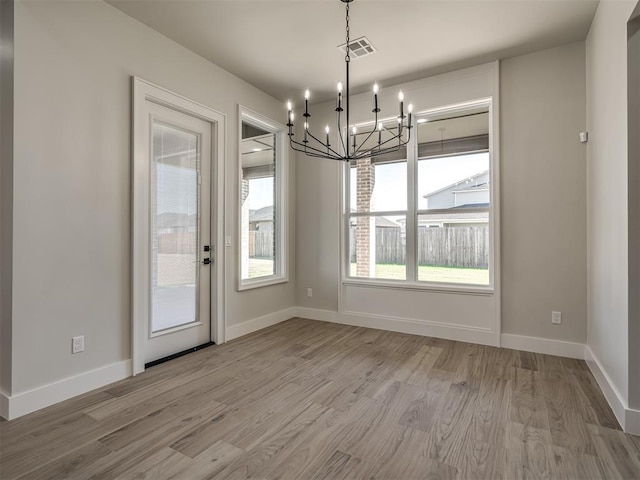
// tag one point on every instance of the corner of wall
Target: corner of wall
(6, 197)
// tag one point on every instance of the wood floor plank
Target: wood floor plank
(448, 433)
(307, 400)
(207, 465)
(421, 413)
(568, 429)
(340, 466)
(593, 406)
(483, 461)
(619, 456)
(70, 464)
(531, 454)
(490, 419)
(527, 400)
(571, 465)
(264, 455)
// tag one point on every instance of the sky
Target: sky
(390, 191)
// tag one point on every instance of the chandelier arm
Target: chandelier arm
(375, 125)
(324, 145)
(307, 149)
(393, 139)
(391, 149)
(366, 139)
(316, 155)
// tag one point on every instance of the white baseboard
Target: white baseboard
(318, 314)
(632, 421)
(401, 325)
(628, 418)
(255, 324)
(546, 346)
(15, 406)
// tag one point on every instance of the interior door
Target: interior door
(181, 254)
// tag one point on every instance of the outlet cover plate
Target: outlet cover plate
(77, 344)
(556, 318)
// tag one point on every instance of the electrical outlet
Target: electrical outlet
(556, 318)
(309, 292)
(77, 344)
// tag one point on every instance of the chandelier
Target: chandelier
(372, 142)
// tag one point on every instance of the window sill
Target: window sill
(454, 288)
(261, 282)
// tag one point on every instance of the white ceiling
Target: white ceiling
(284, 46)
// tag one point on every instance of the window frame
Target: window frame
(281, 199)
(413, 212)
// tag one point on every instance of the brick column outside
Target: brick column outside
(244, 226)
(365, 226)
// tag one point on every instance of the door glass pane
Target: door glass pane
(174, 228)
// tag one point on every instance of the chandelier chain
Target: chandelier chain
(347, 58)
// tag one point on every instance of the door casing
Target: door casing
(143, 92)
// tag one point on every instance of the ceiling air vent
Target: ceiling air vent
(360, 47)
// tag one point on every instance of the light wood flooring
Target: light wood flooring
(312, 400)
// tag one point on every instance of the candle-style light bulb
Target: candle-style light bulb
(289, 105)
(401, 99)
(375, 98)
(401, 96)
(410, 108)
(326, 129)
(379, 126)
(339, 108)
(307, 94)
(354, 130)
(339, 87)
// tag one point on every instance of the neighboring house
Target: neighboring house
(261, 219)
(471, 196)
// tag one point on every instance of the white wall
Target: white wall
(6, 189)
(72, 201)
(607, 225)
(544, 193)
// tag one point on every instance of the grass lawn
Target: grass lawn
(259, 267)
(474, 276)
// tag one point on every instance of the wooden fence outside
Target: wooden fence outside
(261, 244)
(465, 247)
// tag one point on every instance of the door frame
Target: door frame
(144, 91)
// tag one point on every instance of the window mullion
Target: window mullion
(411, 226)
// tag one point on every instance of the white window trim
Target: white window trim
(411, 283)
(282, 201)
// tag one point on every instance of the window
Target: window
(423, 214)
(262, 192)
